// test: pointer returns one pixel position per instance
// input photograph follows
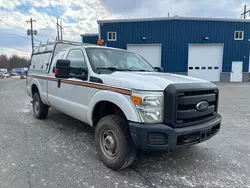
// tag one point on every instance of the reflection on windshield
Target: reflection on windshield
(117, 60)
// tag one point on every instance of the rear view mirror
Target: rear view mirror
(159, 69)
(62, 69)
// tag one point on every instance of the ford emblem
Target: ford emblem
(202, 106)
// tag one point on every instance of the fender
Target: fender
(122, 101)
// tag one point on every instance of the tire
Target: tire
(40, 110)
(113, 130)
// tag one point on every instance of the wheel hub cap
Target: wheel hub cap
(109, 143)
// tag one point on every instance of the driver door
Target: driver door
(72, 91)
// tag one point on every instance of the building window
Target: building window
(203, 68)
(209, 68)
(238, 35)
(190, 68)
(197, 68)
(111, 36)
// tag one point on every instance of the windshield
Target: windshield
(116, 60)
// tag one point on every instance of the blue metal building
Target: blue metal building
(212, 49)
(90, 38)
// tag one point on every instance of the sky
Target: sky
(80, 16)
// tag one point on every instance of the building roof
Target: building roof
(173, 18)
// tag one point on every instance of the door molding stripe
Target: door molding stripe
(85, 84)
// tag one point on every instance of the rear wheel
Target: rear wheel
(113, 142)
(39, 108)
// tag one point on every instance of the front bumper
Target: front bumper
(162, 137)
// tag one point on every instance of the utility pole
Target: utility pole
(59, 30)
(31, 32)
(245, 11)
(57, 26)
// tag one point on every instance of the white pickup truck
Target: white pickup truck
(132, 105)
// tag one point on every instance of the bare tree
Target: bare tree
(13, 62)
(17, 62)
(3, 61)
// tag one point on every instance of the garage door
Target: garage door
(152, 53)
(205, 61)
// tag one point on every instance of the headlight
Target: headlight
(149, 105)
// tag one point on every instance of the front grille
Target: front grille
(186, 105)
(202, 92)
(180, 101)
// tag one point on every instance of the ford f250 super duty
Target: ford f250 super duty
(132, 105)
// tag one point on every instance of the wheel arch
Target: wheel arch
(34, 89)
(120, 101)
(35, 86)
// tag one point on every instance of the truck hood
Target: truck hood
(146, 80)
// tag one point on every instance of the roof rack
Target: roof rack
(49, 47)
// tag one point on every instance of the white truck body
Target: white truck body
(81, 107)
(79, 98)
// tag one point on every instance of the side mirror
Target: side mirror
(159, 69)
(62, 69)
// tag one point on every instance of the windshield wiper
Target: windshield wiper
(116, 69)
(110, 69)
(140, 70)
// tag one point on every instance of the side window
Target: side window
(40, 62)
(77, 61)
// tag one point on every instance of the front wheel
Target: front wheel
(39, 108)
(113, 142)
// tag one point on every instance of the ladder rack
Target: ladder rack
(49, 47)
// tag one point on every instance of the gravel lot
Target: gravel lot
(59, 152)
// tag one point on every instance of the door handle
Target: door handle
(59, 83)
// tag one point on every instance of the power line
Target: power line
(15, 48)
(13, 36)
(4, 30)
